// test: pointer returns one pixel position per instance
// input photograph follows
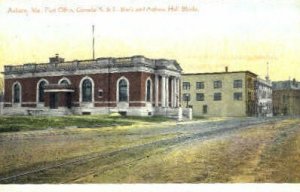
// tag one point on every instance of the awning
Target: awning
(59, 88)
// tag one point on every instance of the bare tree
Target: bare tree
(1, 85)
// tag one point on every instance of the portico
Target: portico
(169, 90)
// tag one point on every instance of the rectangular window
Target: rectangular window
(237, 83)
(200, 96)
(100, 93)
(199, 85)
(204, 109)
(217, 84)
(186, 97)
(186, 85)
(217, 96)
(238, 96)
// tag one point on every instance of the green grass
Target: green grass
(29, 123)
(142, 119)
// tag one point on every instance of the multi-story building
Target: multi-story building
(264, 97)
(220, 93)
(286, 97)
(131, 85)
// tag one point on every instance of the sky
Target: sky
(212, 34)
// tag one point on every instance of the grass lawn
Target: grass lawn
(29, 123)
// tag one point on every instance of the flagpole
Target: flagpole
(93, 42)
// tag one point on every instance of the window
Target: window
(237, 84)
(217, 96)
(204, 109)
(64, 82)
(200, 96)
(238, 96)
(42, 91)
(186, 97)
(217, 84)
(199, 85)
(17, 93)
(123, 90)
(186, 85)
(87, 90)
(148, 91)
(100, 93)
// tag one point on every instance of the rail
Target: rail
(77, 65)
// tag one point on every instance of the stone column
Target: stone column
(178, 92)
(163, 91)
(167, 91)
(173, 92)
(156, 90)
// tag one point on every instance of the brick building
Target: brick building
(131, 85)
(286, 97)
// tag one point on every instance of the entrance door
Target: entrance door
(69, 100)
(53, 100)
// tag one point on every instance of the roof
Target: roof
(214, 73)
(106, 62)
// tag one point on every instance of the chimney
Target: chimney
(56, 59)
(294, 81)
(226, 69)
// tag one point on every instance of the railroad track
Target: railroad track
(167, 143)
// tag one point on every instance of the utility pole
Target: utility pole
(268, 74)
(93, 30)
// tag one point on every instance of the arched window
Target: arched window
(42, 91)
(64, 82)
(148, 91)
(87, 90)
(17, 93)
(123, 90)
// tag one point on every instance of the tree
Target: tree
(1, 85)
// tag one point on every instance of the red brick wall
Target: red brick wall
(106, 82)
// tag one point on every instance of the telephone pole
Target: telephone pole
(93, 30)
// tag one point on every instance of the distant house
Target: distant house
(130, 85)
(286, 97)
(220, 93)
(264, 97)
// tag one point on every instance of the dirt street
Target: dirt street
(228, 150)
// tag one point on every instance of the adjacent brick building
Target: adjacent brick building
(131, 85)
(286, 97)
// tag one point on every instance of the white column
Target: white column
(167, 91)
(156, 90)
(173, 92)
(178, 92)
(163, 91)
